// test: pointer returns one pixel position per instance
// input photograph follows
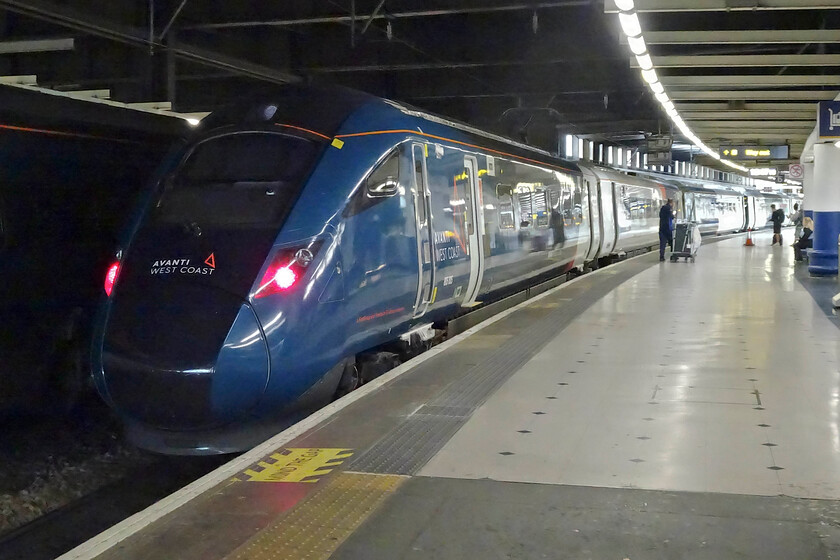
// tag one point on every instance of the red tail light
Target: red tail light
(111, 277)
(287, 268)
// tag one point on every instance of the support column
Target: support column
(807, 186)
(824, 200)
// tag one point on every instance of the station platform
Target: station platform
(646, 410)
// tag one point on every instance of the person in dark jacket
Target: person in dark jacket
(666, 228)
(804, 242)
(777, 217)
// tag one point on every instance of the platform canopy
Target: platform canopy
(744, 71)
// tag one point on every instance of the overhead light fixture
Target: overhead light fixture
(630, 24)
(629, 21)
(637, 45)
(645, 63)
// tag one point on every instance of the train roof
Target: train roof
(630, 178)
(322, 111)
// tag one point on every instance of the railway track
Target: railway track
(63, 529)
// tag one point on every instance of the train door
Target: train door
(747, 213)
(590, 183)
(606, 201)
(474, 221)
(425, 240)
(753, 223)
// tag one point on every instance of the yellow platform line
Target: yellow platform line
(316, 527)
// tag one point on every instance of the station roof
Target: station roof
(739, 71)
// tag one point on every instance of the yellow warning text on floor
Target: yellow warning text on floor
(298, 465)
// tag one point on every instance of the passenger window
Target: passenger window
(381, 184)
(506, 216)
(468, 207)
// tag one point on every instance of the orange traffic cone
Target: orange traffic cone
(749, 241)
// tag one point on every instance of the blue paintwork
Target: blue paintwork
(241, 372)
(822, 259)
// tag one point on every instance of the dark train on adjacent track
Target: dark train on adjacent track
(66, 183)
(300, 244)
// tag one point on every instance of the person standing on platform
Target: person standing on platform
(666, 228)
(796, 220)
(777, 217)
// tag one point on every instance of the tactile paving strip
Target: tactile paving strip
(411, 444)
(317, 526)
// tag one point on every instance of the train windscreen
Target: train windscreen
(237, 180)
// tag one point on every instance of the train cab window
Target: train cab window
(380, 185)
(237, 180)
(383, 181)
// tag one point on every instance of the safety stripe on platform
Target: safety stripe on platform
(317, 526)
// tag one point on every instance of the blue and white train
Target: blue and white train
(299, 245)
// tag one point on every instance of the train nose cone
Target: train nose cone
(192, 358)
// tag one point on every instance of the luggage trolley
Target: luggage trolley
(686, 240)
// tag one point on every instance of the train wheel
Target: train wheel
(375, 364)
(350, 380)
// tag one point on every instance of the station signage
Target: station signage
(829, 118)
(752, 153)
(659, 150)
(764, 172)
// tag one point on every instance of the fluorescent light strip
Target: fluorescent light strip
(633, 29)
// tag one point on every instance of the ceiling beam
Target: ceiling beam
(726, 95)
(405, 14)
(780, 135)
(37, 45)
(740, 37)
(742, 60)
(462, 65)
(758, 125)
(809, 115)
(771, 81)
(724, 5)
(85, 22)
(27, 80)
(793, 107)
